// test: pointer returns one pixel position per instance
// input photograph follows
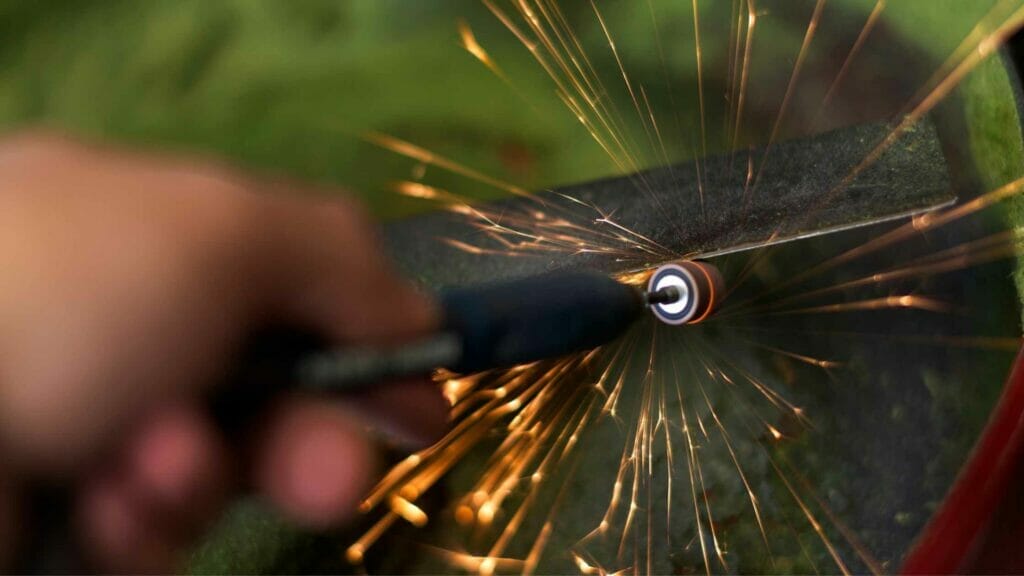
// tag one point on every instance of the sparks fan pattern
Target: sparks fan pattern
(682, 449)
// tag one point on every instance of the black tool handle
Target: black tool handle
(488, 326)
(540, 317)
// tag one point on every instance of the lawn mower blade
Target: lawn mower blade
(718, 207)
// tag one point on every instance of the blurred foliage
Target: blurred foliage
(288, 86)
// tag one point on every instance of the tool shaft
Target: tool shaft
(518, 321)
(488, 326)
(509, 323)
(491, 326)
(357, 367)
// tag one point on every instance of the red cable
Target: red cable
(951, 535)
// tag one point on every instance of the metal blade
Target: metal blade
(722, 211)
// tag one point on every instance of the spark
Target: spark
(982, 50)
(999, 13)
(752, 497)
(534, 418)
(865, 31)
(469, 42)
(888, 302)
(572, 74)
(812, 27)
(354, 553)
(995, 247)
(584, 566)
(483, 565)
(824, 364)
(744, 75)
(912, 229)
(700, 94)
(809, 516)
(424, 192)
(410, 150)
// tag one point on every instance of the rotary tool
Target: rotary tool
(503, 324)
(502, 316)
(488, 326)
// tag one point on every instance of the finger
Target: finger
(170, 481)
(324, 267)
(116, 534)
(178, 465)
(409, 414)
(313, 462)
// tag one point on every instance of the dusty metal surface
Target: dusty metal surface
(667, 205)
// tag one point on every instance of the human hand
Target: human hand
(129, 283)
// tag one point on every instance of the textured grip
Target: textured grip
(487, 326)
(535, 318)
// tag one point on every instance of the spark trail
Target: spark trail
(674, 449)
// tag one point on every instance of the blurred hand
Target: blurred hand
(128, 284)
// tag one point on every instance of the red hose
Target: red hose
(954, 539)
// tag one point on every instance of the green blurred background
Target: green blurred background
(287, 87)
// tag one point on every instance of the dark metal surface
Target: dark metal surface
(666, 205)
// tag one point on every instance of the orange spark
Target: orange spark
(469, 42)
